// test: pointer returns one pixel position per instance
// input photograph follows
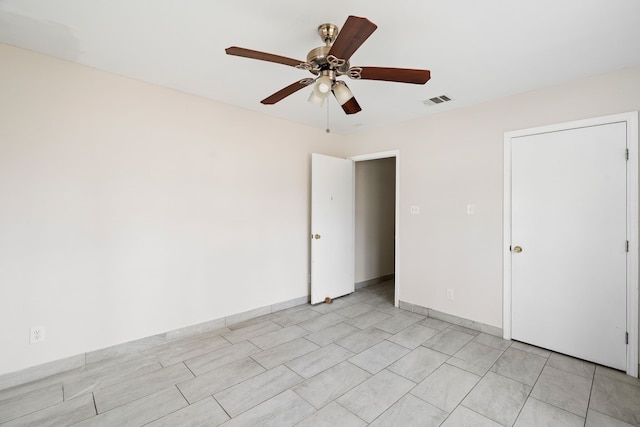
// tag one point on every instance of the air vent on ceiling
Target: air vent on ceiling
(436, 100)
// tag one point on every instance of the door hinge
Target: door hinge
(627, 246)
(626, 154)
(626, 339)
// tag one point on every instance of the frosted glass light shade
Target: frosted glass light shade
(324, 84)
(316, 99)
(342, 92)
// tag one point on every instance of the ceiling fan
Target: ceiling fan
(331, 61)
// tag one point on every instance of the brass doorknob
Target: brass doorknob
(317, 236)
(517, 249)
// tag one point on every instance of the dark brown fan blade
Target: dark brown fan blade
(283, 93)
(353, 33)
(351, 106)
(262, 56)
(402, 75)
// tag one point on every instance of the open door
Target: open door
(332, 232)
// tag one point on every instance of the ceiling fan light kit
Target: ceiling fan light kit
(324, 84)
(342, 92)
(331, 61)
(316, 99)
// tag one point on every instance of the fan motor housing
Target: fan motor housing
(318, 59)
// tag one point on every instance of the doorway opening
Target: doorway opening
(376, 223)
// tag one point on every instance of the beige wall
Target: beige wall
(128, 210)
(452, 159)
(375, 206)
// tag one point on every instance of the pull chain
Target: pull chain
(327, 129)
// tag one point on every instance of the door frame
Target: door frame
(631, 120)
(376, 156)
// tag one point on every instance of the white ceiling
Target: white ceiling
(477, 50)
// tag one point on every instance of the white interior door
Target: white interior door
(332, 232)
(568, 213)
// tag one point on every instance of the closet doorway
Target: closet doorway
(375, 219)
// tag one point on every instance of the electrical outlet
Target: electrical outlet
(415, 210)
(450, 294)
(36, 335)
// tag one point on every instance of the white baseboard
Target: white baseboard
(374, 281)
(460, 321)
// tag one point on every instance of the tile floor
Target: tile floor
(355, 362)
